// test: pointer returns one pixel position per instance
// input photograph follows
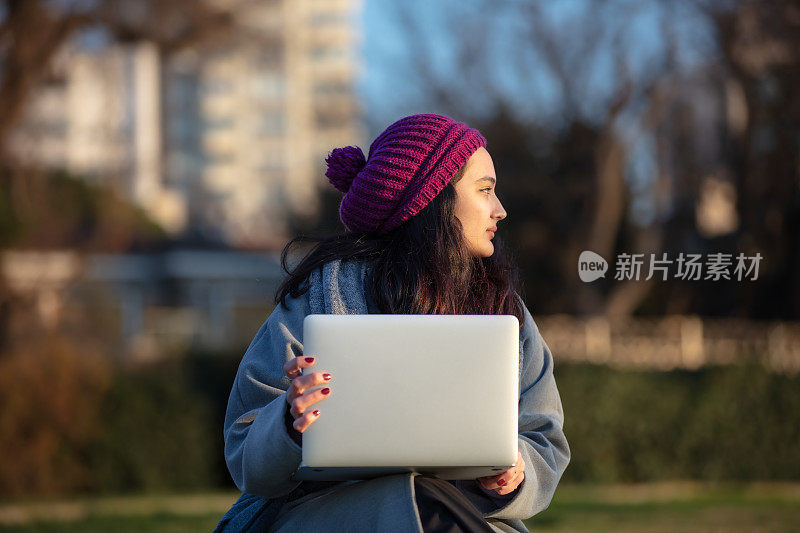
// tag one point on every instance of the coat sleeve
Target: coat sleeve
(259, 452)
(542, 443)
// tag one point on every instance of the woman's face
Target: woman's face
(477, 205)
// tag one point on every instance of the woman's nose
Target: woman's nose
(500, 213)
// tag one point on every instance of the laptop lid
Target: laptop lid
(433, 394)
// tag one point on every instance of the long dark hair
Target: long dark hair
(421, 267)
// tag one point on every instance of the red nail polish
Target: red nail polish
(316, 412)
(326, 390)
(326, 377)
(501, 482)
(309, 359)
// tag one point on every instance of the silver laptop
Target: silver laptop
(433, 394)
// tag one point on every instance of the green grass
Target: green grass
(168, 513)
(672, 507)
(660, 507)
(161, 522)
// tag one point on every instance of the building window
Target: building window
(329, 53)
(216, 86)
(332, 88)
(330, 18)
(268, 85)
(272, 124)
(218, 123)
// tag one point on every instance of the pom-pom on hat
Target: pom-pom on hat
(407, 166)
(343, 165)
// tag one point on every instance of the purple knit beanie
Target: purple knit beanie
(407, 166)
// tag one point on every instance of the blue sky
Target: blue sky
(388, 91)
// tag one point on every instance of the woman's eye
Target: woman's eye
(487, 189)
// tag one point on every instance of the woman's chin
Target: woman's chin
(485, 249)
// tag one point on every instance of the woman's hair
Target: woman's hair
(421, 267)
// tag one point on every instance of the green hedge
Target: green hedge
(159, 432)
(724, 423)
(732, 423)
(161, 425)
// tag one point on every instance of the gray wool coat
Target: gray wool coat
(261, 456)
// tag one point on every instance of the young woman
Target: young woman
(421, 212)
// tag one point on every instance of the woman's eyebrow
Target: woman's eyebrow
(486, 178)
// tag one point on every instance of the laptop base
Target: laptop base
(339, 473)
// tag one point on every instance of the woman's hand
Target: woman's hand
(299, 397)
(505, 482)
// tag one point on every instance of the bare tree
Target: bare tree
(589, 97)
(759, 43)
(567, 54)
(31, 34)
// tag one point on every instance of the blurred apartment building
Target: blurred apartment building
(225, 140)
